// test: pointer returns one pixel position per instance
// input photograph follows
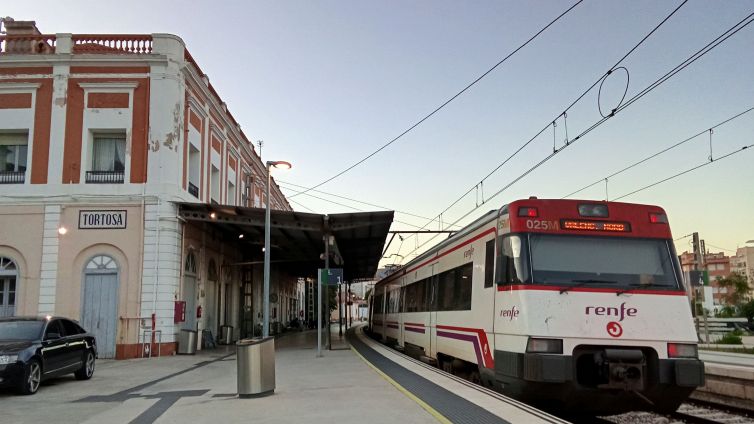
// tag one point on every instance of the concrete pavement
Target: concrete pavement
(338, 387)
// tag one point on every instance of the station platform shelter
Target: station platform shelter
(222, 277)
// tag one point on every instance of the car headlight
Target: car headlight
(8, 359)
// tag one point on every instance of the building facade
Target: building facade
(743, 262)
(101, 138)
(717, 265)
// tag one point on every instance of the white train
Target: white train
(573, 306)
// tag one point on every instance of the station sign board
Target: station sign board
(334, 278)
(102, 219)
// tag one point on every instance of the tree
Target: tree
(738, 289)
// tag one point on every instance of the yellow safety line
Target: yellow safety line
(432, 411)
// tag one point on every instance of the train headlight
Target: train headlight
(681, 350)
(544, 345)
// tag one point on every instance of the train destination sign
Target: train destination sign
(101, 220)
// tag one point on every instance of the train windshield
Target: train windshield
(602, 261)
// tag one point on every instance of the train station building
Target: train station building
(132, 201)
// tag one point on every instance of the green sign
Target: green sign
(334, 278)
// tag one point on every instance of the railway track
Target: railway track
(693, 412)
(688, 413)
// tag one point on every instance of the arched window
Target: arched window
(101, 263)
(8, 278)
(190, 266)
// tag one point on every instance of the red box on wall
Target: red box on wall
(180, 311)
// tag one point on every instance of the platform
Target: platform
(341, 386)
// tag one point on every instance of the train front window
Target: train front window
(601, 261)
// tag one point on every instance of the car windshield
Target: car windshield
(601, 261)
(20, 330)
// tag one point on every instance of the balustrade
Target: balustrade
(112, 43)
(27, 44)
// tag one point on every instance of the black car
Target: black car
(35, 349)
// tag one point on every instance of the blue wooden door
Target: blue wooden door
(7, 296)
(100, 311)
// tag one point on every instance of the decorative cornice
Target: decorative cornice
(19, 86)
(94, 86)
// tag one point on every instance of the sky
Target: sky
(326, 83)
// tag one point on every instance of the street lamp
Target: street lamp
(280, 164)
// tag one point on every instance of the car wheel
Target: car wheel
(87, 367)
(32, 376)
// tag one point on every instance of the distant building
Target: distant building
(717, 266)
(743, 262)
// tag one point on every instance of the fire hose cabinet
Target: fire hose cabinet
(180, 311)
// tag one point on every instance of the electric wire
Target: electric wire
(348, 198)
(691, 59)
(654, 155)
(709, 162)
(437, 109)
(718, 247)
(346, 206)
(565, 111)
(302, 205)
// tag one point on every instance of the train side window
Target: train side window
(432, 293)
(489, 263)
(446, 290)
(409, 293)
(455, 288)
(512, 264)
(420, 295)
(463, 279)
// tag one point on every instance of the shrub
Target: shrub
(731, 339)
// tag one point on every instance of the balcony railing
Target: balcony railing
(193, 190)
(7, 177)
(104, 177)
(79, 44)
(112, 43)
(27, 44)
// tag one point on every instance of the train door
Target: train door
(432, 308)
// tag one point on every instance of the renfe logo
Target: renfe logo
(621, 312)
(468, 253)
(510, 313)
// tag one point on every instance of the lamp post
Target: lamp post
(280, 164)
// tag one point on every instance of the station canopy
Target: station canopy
(297, 239)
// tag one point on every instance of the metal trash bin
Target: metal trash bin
(187, 342)
(255, 365)
(226, 335)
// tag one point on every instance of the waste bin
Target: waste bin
(187, 342)
(226, 334)
(255, 364)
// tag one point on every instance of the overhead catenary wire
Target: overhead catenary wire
(718, 247)
(348, 206)
(437, 109)
(660, 152)
(346, 198)
(564, 114)
(691, 59)
(302, 205)
(687, 171)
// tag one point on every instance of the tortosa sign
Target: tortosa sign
(91, 220)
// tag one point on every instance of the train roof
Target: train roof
(633, 212)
